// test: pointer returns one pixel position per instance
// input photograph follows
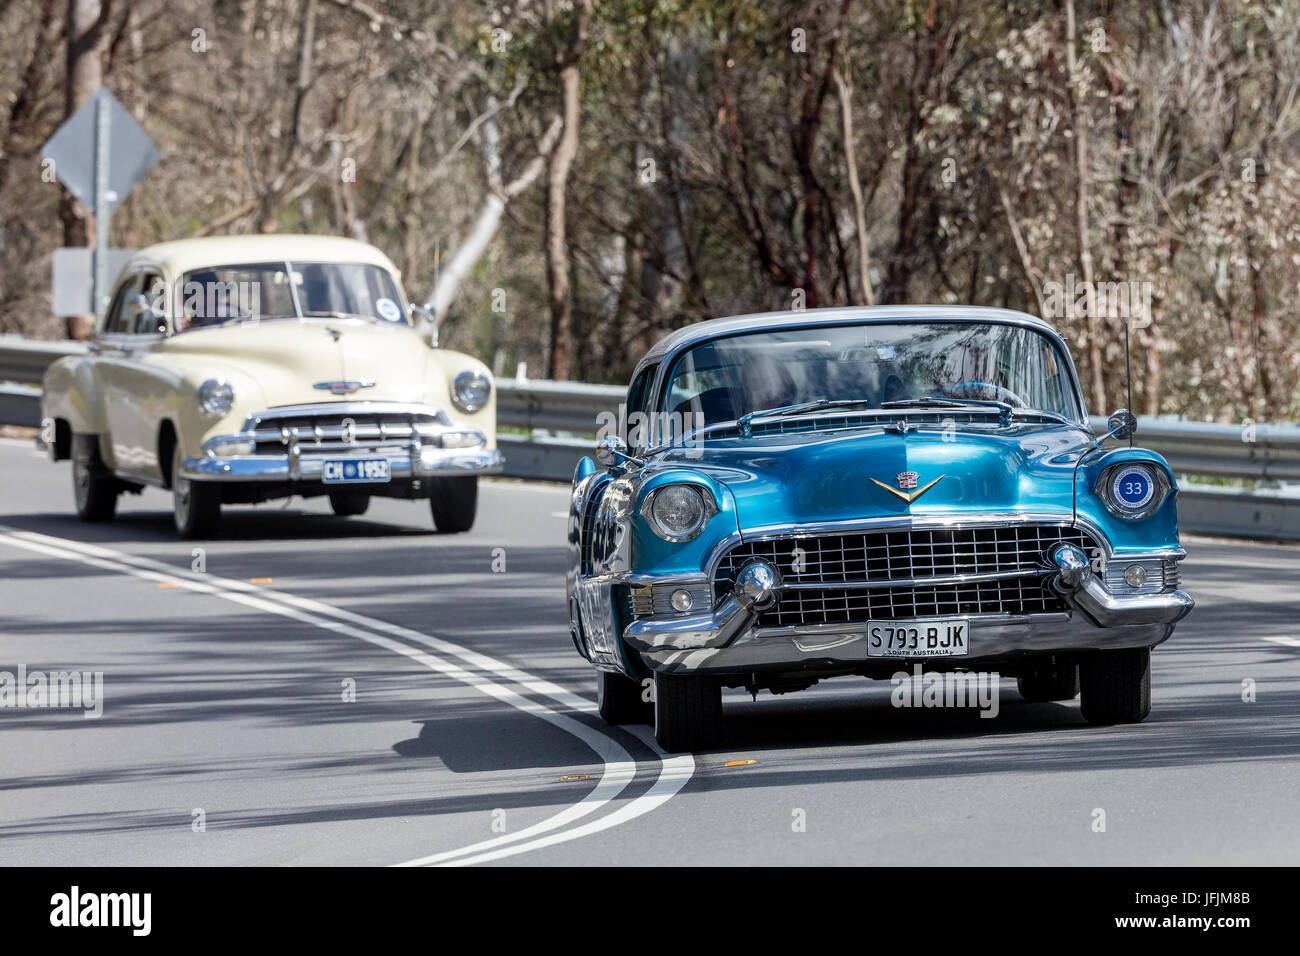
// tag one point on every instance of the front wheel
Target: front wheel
(94, 488)
(1050, 683)
(454, 503)
(349, 504)
(688, 712)
(619, 700)
(196, 505)
(1116, 686)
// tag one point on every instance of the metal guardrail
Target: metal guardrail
(25, 360)
(560, 417)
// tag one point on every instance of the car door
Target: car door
(132, 394)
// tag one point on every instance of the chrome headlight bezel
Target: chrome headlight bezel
(1109, 489)
(216, 397)
(707, 508)
(470, 390)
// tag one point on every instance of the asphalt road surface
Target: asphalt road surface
(362, 691)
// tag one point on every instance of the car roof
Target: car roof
(803, 318)
(182, 255)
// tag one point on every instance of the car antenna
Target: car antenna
(1128, 373)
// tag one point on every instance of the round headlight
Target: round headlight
(678, 512)
(216, 397)
(470, 390)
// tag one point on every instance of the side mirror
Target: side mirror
(1122, 424)
(140, 303)
(424, 315)
(611, 451)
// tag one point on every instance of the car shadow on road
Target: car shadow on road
(894, 743)
(247, 524)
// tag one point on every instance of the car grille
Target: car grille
(326, 430)
(851, 578)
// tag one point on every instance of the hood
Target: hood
(287, 358)
(821, 476)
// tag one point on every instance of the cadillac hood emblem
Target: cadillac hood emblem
(907, 480)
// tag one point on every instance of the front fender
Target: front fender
(652, 554)
(1157, 531)
(444, 366)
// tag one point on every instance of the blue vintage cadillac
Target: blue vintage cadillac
(802, 495)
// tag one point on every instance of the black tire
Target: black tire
(1116, 686)
(687, 712)
(454, 503)
(1050, 683)
(196, 505)
(618, 699)
(94, 489)
(349, 504)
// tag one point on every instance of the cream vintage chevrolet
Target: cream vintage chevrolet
(247, 368)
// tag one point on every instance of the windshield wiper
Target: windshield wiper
(744, 420)
(1007, 410)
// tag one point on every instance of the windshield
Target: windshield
(870, 366)
(287, 290)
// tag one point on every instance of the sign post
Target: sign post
(99, 153)
(103, 129)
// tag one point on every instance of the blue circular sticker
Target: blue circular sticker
(388, 309)
(1133, 487)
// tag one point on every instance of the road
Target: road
(362, 691)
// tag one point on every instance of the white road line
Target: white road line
(619, 768)
(1287, 641)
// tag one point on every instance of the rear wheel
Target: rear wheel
(196, 505)
(94, 488)
(619, 700)
(688, 712)
(454, 503)
(1059, 682)
(1116, 686)
(348, 504)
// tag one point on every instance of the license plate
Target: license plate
(349, 471)
(944, 638)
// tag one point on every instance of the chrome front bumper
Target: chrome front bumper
(421, 463)
(726, 640)
(292, 443)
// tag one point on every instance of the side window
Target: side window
(147, 322)
(121, 316)
(638, 409)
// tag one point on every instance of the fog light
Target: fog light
(682, 600)
(1135, 575)
(230, 446)
(465, 439)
